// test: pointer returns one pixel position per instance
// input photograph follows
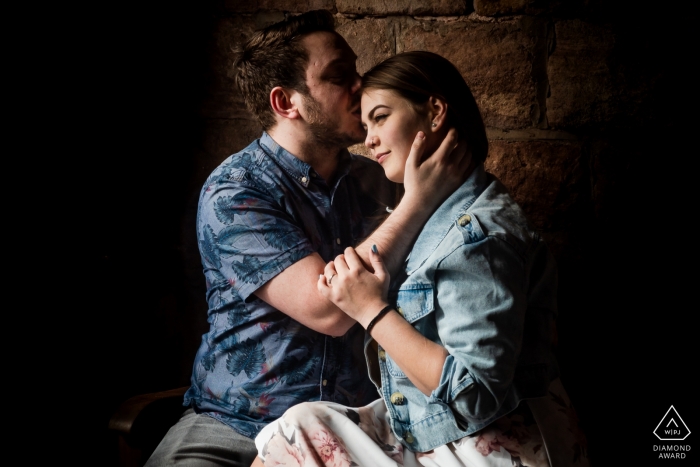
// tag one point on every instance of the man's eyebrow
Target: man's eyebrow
(340, 61)
(370, 115)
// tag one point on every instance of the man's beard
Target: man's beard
(325, 130)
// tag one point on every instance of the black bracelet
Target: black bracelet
(384, 311)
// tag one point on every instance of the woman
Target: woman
(459, 346)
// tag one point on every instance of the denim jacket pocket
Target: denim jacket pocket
(393, 368)
(415, 300)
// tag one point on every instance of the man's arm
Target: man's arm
(427, 182)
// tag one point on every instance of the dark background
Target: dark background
(628, 301)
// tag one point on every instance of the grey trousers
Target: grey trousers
(199, 440)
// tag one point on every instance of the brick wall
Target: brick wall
(552, 82)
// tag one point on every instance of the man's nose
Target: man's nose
(356, 83)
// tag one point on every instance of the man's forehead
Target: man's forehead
(327, 47)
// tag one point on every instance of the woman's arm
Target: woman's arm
(419, 358)
(362, 295)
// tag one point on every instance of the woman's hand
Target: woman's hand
(429, 180)
(360, 293)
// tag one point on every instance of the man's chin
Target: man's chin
(356, 136)
(331, 135)
(350, 138)
(356, 139)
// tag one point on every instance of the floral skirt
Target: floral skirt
(539, 433)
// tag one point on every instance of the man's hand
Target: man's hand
(428, 181)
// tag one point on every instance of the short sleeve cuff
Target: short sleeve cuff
(279, 264)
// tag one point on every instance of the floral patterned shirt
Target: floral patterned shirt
(259, 212)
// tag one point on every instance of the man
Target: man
(269, 218)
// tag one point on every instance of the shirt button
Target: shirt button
(408, 437)
(382, 355)
(464, 220)
(325, 381)
(304, 179)
(398, 308)
(397, 398)
(337, 240)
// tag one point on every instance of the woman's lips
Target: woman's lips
(381, 156)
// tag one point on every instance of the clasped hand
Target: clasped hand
(360, 293)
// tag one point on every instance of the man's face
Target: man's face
(332, 106)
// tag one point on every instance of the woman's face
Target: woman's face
(392, 123)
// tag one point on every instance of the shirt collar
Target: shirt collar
(298, 169)
(295, 167)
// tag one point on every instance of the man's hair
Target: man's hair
(417, 75)
(274, 56)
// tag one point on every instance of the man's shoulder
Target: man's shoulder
(250, 156)
(246, 165)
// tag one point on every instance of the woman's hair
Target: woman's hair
(417, 75)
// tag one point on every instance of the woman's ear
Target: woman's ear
(437, 111)
(283, 102)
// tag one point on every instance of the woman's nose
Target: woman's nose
(370, 141)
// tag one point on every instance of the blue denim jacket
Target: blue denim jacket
(482, 283)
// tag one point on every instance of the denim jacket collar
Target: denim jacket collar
(445, 216)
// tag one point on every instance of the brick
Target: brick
(404, 7)
(361, 149)
(497, 59)
(525, 7)
(294, 6)
(580, 79)
(500, 7)
(372, 40)
(604, 74)
(547, 179)
(559, 8)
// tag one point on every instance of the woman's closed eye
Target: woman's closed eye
(376, 119)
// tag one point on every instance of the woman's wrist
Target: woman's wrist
(387, 309)
(372, 317)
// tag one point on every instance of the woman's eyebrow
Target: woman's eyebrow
(370, 115)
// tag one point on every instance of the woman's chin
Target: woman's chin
(394, 177)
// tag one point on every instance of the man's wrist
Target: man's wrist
(418, 207)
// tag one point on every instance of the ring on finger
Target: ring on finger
(331, 278)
